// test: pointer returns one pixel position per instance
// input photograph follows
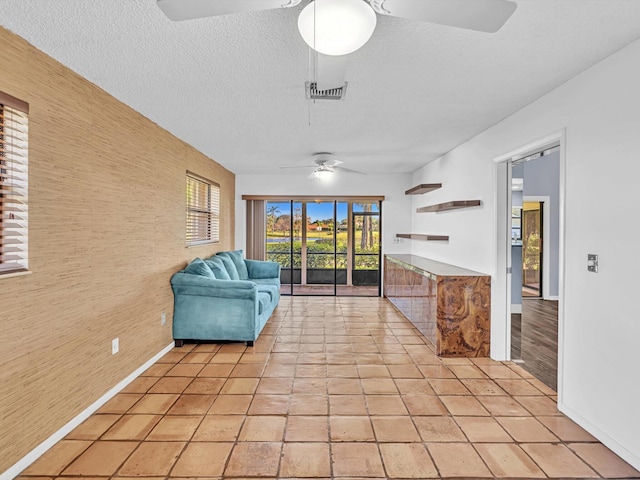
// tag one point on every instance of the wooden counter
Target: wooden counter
(450, 305)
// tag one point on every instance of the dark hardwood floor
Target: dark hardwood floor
(534, 339)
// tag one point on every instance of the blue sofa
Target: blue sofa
(224, 298)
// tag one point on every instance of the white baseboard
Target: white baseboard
(516, 308)
(554, 298)
(37, 452)
(628, 456)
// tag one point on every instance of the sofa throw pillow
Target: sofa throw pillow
(217, 267)
(199, 267)
(229, 265)
(238, 261)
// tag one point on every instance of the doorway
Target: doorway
(534, 259)
(532, 249)
(325, 248)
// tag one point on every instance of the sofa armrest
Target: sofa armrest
(262, 269)
(188, 284)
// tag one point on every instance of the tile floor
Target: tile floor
(334, 388)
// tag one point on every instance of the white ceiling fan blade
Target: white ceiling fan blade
(348, 170)
(330, 71)
(482, 15)
(298, 166)
(178, 10)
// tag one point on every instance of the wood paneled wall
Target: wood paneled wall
(106, 231)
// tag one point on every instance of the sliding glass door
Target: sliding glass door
(365, 271)
(318, 250)
(325, 247)
(284, 241)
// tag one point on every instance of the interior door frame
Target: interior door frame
(501, 326)
(546, 258)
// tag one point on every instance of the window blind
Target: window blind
(13, 185)
(203, 210)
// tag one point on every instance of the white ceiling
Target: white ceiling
(233, 86)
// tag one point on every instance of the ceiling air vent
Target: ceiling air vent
(332, 94)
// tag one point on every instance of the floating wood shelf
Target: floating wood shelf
(423, 188)
(456, 204)
(420, 236)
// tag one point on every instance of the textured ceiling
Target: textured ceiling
(233, 86)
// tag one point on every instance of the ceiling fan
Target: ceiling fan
(335, 28)
(324, 166)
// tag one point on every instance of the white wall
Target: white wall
(396, 209)
(600, 327)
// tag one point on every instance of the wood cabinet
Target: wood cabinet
(450, 305)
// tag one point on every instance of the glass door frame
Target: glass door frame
(351, 265)
(304, 267)
(350, 254)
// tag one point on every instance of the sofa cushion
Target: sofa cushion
(217, 267)
(199, 267)
(262, 269)
(264, 300)
(238, 261)
(229, 266)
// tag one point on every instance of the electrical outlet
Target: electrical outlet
(163, 319)
(115, 346)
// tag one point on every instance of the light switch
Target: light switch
(592, 262)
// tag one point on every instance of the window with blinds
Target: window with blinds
(13, 184)
(203, 210)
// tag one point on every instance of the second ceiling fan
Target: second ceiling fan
(335, 28)
(324, 165)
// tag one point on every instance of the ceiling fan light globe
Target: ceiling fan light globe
(323, 174)
(337, 27)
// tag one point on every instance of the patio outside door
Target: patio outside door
(325, 247)
(364, 264)
(319, 275)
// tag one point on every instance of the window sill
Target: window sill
(200, 244)
(15, 274)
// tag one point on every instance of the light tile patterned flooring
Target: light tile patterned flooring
(334, 388)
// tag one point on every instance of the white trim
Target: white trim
(500, 296)
(515, 308)
(40, 450)
(553, 298)
(562, 249)
(531, 147)
(631, 458)
(546, 231)
(502, 241)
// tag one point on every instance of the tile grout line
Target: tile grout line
(357, 328)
